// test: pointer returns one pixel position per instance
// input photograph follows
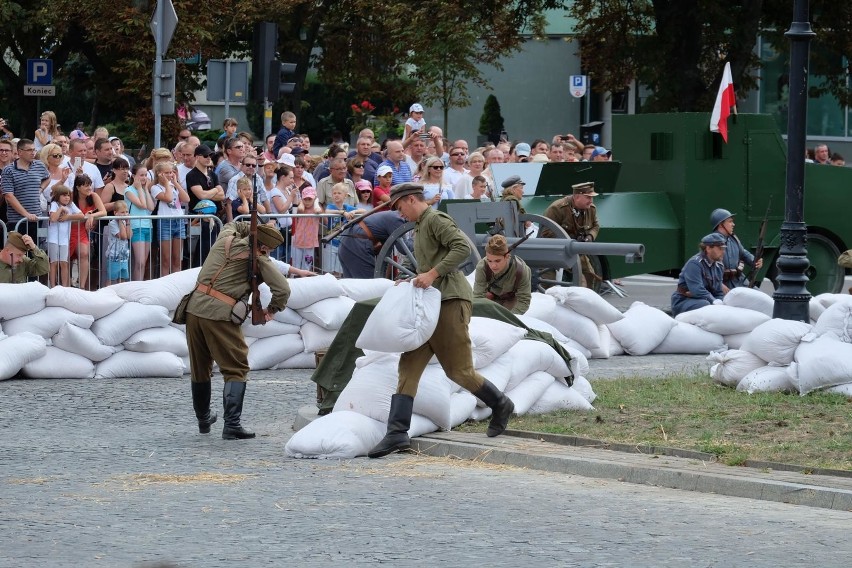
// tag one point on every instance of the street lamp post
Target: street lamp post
(792, 297)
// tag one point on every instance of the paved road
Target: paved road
(113, 474)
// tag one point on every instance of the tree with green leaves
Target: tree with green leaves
(491, 122)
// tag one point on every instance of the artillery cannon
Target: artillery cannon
(479, 220)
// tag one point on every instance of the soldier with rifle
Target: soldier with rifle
(736, 256)
(214, 311)
(362, 238)
(503, 277)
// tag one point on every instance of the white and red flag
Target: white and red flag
(725, 101)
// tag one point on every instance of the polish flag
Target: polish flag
(724, 101)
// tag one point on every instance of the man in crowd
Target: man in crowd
(364, 152)
(577, 214)
(439, 248)
(186, 152)
(557, 152)
(822, 155)
(103, 158)
(337, 174)
(700, 280)
(79, 165)
(234, 152)
(249, 169)
(6, 157)
(396, 162)
(21, 259)
(458, 157)
(23, 181)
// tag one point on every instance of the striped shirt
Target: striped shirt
(25, 185)
(401, 174)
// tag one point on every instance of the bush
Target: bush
(491, 123)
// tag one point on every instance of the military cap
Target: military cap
(585, 188)
(16, 240)
(403, 189)
(269, 236)
(713, 240)
(512, 180)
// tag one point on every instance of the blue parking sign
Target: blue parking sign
(39, 71)
(578, 85)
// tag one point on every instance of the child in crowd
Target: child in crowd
(364, 189)
(242, 204)
(62, 212)
(479, 188)
(384, 177)
(47, 130)
(330, 252)
(229, 128)
(118, 250)
(306, 230)
(171, 229)
(415, 122)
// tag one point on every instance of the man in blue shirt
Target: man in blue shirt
(700, 281)
(396, 161)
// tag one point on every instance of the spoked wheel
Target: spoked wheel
(396, 261)
(824, 273)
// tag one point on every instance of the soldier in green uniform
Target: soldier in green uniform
(513, 190)
(577, 215)
(211, 333)
(439, 247)
(503, 277)
(21, 259)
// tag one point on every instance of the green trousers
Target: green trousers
(220, 341)
(450, 344)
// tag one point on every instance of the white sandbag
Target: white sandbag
(824, 362)
(776, 340)
(560, 397)
(360, 289)
(735, 340)
(541, 307)
(462, 405)
(18, 300)
(370, 389)
(18, 350)
(606, 342)
(166, 291)
(815, 309)
(529, 357)
(118, 326)
(528, 391)
(329, 313)
(129, 364)
(499, 371)
(541, 325)
(96, 304)
(492, 338)
(315, 337)
(271, 328)
(303, 360)
(642, 329)
(586, 302)
(724, 320)
(421, 425)
(615, 348)
(338, 435)
(307, 291)
(844, 389)
(266, 353)
(836, 319)
(579, 364)
(732, 365)
(289, 315)
(83, 342)
(687, 338)
(827, 300)
(584, 387)
(187, 365)
(403, 320)
(480, 413)
(47, 322)
(750, 299)
(767, 379)
(433, 397)
(59, 364)
(157, 339)
(574, 326)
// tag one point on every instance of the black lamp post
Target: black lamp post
(791, 297)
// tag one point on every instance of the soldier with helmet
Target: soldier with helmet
(577, 214)
(700, 280)
(736, 257)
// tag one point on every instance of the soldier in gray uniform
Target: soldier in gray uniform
(736, 256)
(211, 332)
(439, 247)
(360, 243)
(700, 281)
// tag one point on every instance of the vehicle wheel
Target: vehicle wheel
(396, 261)
(824, 273)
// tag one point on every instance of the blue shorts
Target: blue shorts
(141, 235)
(118, 270)
(169, 229)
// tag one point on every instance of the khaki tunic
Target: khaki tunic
(504, 283)
(440, 244)
(35, 263)
(584, 222)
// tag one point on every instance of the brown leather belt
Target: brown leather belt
(684, 292)
(367, 231)
(213, 293)
(730, 274)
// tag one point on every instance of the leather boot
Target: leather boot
(232, 400)
(201, 404)
(399, 421)
(501, 408)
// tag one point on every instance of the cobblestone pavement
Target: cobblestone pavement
(114, 474)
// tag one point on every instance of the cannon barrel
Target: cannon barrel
(562, 253)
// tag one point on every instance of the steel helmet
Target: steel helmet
(204, 207)
(719, 215)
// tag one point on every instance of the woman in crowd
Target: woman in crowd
(53, 158)
(89, 202)
(139, 203)
(476, 165)
(434, 187)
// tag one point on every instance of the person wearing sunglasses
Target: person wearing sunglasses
(435, 186)
(54, 160)
(234, 152)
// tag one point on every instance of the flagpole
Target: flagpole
(792, 297)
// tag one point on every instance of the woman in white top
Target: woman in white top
(476, 165)
(434, 187)
(170, 198)
(282, 198)
(52, 157)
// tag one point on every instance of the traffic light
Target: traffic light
(263, 52)
(278, 73)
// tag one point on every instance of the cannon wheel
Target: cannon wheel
(396, 261)
(599, 263)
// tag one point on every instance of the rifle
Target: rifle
(327, 238)
(758, 250)
(258, 317)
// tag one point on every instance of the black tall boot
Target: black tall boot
(201, 405)
(399, 421)
(501, 408)
(232, 400)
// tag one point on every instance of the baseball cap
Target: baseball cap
(523, 149)
(384, 170)
(600, 151)
(203, 150)
(364, 185)
(416, 107)
(309, 192)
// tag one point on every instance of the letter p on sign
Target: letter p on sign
(39, 71)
